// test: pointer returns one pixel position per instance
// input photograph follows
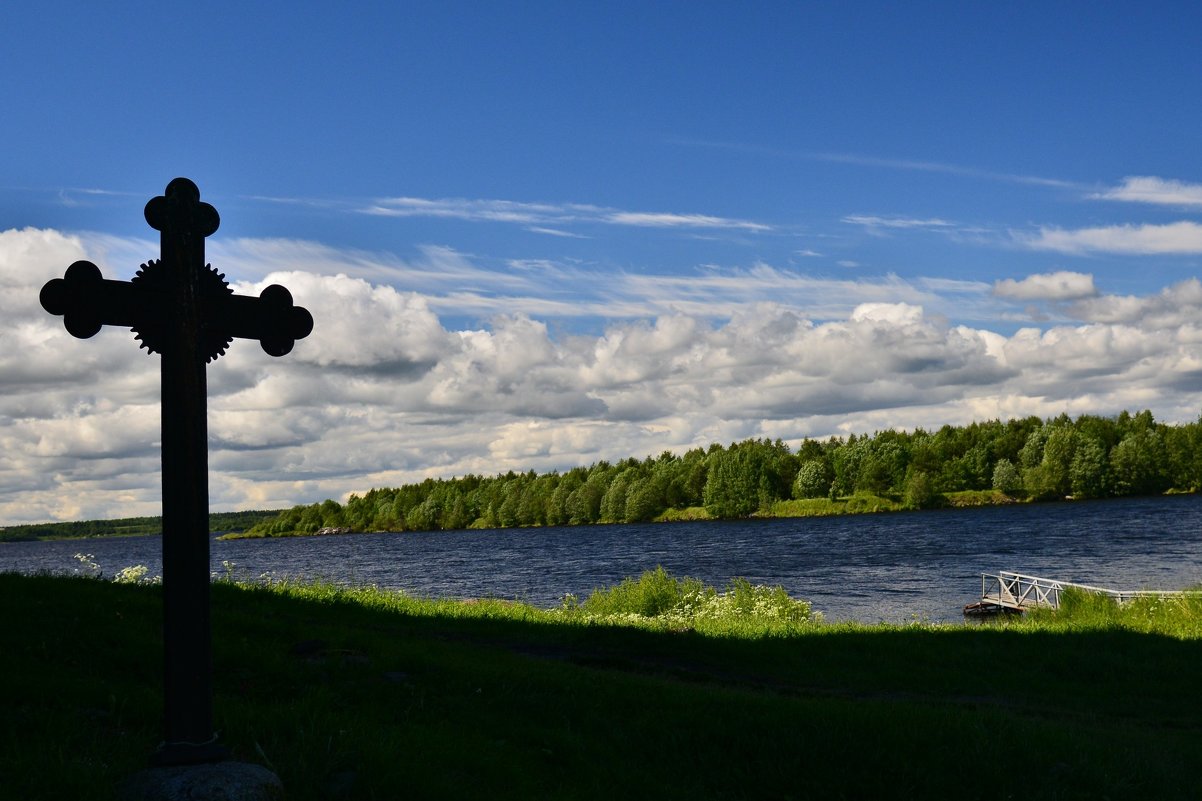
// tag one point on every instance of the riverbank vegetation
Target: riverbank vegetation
(127, 527)
(979, 464)
(360, 693)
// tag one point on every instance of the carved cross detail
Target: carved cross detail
(182, 308)
(178, 301)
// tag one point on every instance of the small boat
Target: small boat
(988, 609)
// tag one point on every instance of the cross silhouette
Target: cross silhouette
(183, 309)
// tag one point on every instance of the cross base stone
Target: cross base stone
(217, 781)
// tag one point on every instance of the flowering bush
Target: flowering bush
(134, 574)
(662, 601)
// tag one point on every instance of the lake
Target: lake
(892, 567)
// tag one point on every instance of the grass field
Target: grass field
(363, 694)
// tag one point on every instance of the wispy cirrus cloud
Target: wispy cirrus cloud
(662, 220)
(510, 211)
(571, 289)
(539, 229)
(550, 218)
(914, 165)
(75, 196)
(865, 160)
(1150, 189)
(874, 222)
(1184, 237)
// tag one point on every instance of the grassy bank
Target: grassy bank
(372, 695)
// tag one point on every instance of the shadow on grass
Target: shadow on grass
(347, 701)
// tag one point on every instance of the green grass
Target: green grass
(1172, 615)
(973, 498)
(689, 513)
(366, 694)
(860, 503)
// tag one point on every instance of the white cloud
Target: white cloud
(364, 325)
(872, 221)
(1057, 286)
(662, 220)
(384, 392)
(538, 229)
(453, 283)
(1175, 307)
(1172, 238)
(549, 217)
(476, 210)
(897, 314)
(1150, 189)
(939, 167)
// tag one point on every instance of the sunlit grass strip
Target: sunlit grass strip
(1177, 615)
(656, 601)
(660, 601)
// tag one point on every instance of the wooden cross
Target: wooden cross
(181, 308)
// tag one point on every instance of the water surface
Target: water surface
(893, 567)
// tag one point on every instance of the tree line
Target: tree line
(127, 526)
(1030, 458)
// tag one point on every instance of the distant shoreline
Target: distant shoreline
(219, 523)
(858, 504)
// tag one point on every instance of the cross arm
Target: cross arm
(86, 300)
(270, 318)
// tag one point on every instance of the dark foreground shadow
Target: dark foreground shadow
(347, 701)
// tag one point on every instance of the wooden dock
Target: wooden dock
(1014, 592)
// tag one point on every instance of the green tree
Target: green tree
(1183, 446)
(1089, 473)
(643, 502)
(1005, 477)
(584, 503)
(1058, 452)
(919, 492)
(846, 462)
(613, 504)
(747, 477)
(310, 519)
(1138, 463)
(883, 465)
(1031, 453)
(812, 480)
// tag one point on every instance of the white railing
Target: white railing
(1017, 591)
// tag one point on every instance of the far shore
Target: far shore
(861, 503)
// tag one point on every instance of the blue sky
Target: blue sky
(534, 235)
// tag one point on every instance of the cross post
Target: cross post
(182, 309)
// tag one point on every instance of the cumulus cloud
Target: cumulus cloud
(1057, 286)
(1172, 238)
(1150, 189)
(1176, 307)
(385, 391)
(366, 326)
